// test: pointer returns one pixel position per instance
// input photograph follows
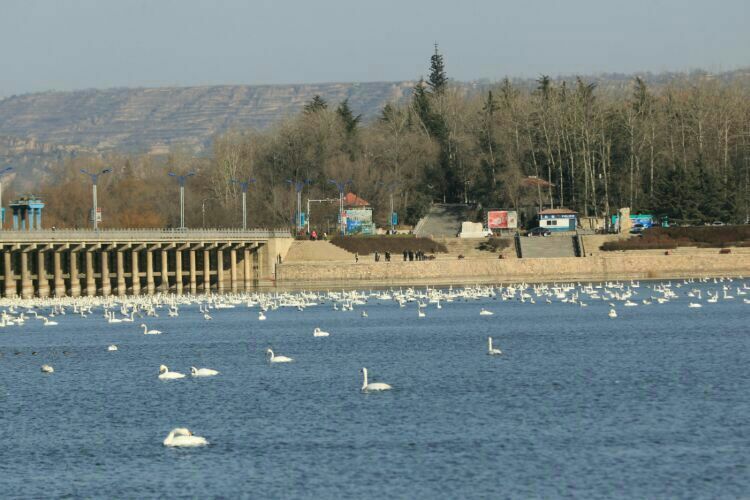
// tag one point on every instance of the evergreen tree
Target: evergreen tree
(347, 117)
(438, 80)
(316, 104)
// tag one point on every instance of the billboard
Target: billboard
(358, 220)
(502, 219)
(644, 220)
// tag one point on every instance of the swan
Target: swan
(261, 316)
(182, 436)
(492, 351)
(207, 317)
(364, 314)
(165, 374)
(485, 312)
(612, 313)
(277, 359)
(374, 386)
(694, 304)
(202, 372)
(47, 369)
(319, 333)
(420, 313)
(112, 348)
(47, 322)
(146, 331)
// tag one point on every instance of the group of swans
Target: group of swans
(165, 374)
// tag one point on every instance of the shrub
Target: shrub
(673, 237)
(366, 245)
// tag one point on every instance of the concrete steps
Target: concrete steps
(539, 247)
(444, 220)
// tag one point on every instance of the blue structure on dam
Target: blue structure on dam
(27, 213)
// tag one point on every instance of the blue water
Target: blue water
(653, 404)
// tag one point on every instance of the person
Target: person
(404, 255)
(377, 257)
(411, 256)
(387, 256)
(356, 257)
(314, 235)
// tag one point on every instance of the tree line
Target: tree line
(680, 148)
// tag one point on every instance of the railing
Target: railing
(140, 234)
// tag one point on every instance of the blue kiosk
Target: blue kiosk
(25, 208)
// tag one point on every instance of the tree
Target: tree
(438, 80)
(347, 117)
(315, 105)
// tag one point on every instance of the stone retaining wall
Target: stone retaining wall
(622, 266)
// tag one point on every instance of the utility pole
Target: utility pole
(3, 172)
(244, 185)
(181, 179)
(94, 180)
(341, 186)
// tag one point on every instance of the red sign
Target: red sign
(502, 219)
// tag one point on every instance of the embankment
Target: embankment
(600, 267)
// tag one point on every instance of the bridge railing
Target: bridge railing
(140, 234)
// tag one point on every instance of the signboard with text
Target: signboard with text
(502, 219)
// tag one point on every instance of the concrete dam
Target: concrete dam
(60, 263)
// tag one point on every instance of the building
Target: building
(558, 219)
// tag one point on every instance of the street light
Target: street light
(94, 179)
(299, 186)
(181, 179)
(244, 185)
(2, 173)
(341, 185)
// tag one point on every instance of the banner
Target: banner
(502, 219)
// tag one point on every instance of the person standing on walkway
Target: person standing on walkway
(356, 257)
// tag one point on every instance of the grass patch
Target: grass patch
(662, 238)
(366, 245)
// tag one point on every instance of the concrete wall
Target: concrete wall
(622, 266)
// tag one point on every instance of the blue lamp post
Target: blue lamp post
(181, 179)
(94, 180)
(244, 185)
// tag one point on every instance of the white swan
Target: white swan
(694, 304)
(485, 312)
(612, 313)
(319, 333)
(47, 322)
(202, 372)
(364, 314)
(182, 436)
(47, 369)
(420, 313)
(146, 331)
(165, 374)
(207, 316)
(261, 316)
(112, 348)
(374, 386)
(277, 359)
(490, 350)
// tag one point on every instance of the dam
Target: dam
(72, 263)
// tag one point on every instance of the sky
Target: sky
(77, 44)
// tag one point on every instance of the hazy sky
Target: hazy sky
(73, 44)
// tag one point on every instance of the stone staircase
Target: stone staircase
(538, 247)
(443, 220)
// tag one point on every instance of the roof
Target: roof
(557, 211)
(352, 200)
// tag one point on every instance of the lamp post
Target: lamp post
(299, 186)
(391, 188)
(94, 180)
(181, 179)
(244, 185)
(341, 186)
(2, 173)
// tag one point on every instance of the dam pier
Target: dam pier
(73, 263)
